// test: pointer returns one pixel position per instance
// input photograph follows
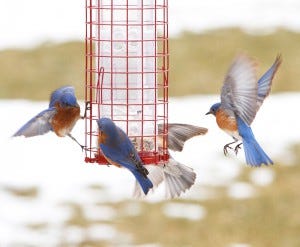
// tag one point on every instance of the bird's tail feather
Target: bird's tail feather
(155, 175)
(255, 155)
(177, 177)
(144, 182)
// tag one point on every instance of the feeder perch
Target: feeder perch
(126, 74)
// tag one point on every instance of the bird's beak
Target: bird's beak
(208, 113)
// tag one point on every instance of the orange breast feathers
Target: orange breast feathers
(101, 137)
(225, 121)
(65, 119)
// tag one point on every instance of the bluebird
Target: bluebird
(60, 117)
(118, 150)
(177, 177)
(241, 98)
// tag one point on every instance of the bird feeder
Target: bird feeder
(126, 74)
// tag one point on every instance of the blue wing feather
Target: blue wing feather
(127, 147)
(124, 160)
(115, 154)
(38, 125)
(118, 155)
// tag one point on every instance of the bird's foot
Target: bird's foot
(237, 147)
(74, 139)
(83, 147)
(225, 149)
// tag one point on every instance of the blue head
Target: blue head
(64, 95)
(68, 99)
(214, 108)
(108, 127)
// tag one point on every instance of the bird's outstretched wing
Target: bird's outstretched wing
(58, 93)
(265, 82)
(123, 153)
(38, 125)
(178, 134)
(239, 91)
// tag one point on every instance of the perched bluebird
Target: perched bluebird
(60, 117)
(241, 98)
(120, 151)
(177, 177)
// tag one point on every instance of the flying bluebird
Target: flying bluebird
(118, 150)
(177, 177)
(60, 117)
(241, 98)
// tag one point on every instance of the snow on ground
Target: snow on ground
(32, 22)
(56, 166)
(184, 210)
(262, 177)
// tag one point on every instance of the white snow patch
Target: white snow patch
(95, 212)
(73, 235)
(184, 210)
(239, 245)
(262, 176)
(241, 190)
(98, 232)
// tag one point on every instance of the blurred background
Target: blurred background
(50, 197)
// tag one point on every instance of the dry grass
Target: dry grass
(30, 192)
(270, 219)
(33, 74)
(198, 63)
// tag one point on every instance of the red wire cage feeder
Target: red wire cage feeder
(126, 74)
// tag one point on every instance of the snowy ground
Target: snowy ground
(32, 22)
(55, 166)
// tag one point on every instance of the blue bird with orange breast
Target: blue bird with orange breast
(118, 150)
(60, 117)
(241, 98)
